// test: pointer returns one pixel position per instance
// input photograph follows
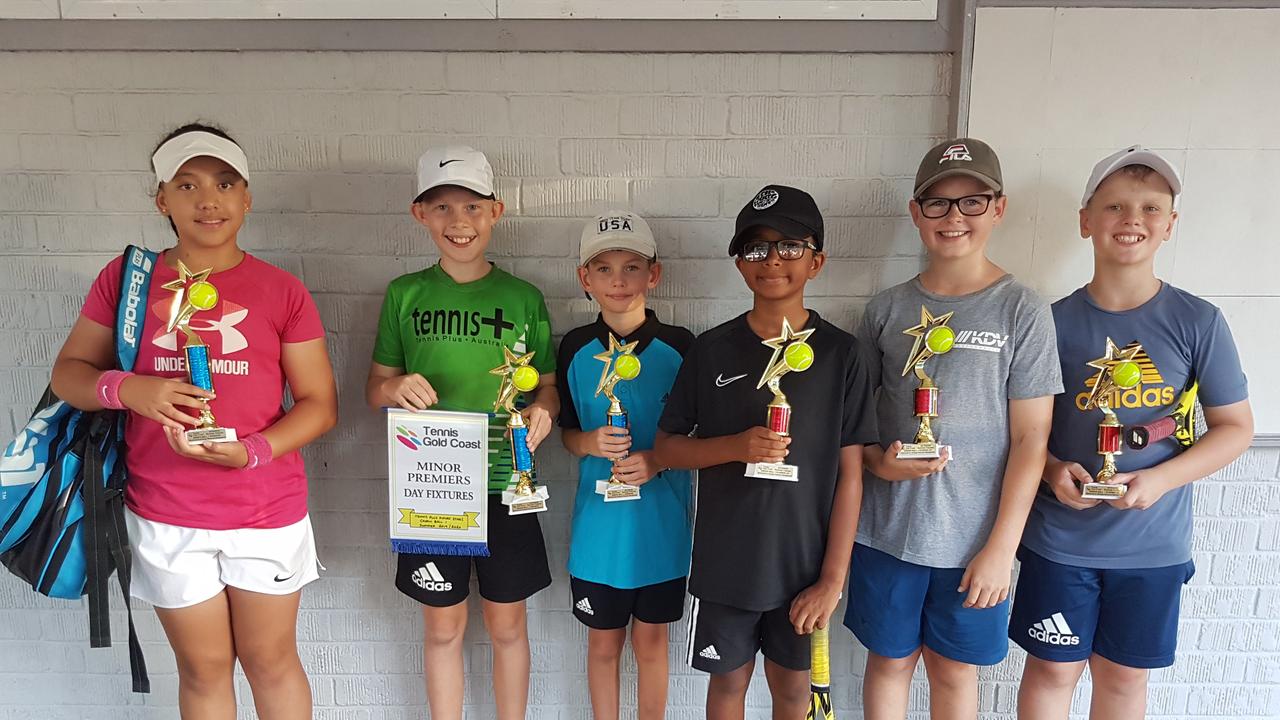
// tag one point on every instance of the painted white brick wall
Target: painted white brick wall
(684, 139)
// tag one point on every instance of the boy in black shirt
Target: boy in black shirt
(769, 556)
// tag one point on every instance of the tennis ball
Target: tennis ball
(798, 356)
(525, 378)
(940, 339)
(202, 295)
(627, 367)
(1127, 374)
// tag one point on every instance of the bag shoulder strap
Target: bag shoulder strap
(131, 312)
(106, 539)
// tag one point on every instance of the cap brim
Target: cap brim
(181, 160)
(474, 187)
(631, 245)
(789, 228)
(953, 172)
(1157, 163)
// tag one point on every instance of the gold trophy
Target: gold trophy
(933, 337)
(1117, 371)
(521, 496)
(192, 293)
(791, 353)
(620, 363)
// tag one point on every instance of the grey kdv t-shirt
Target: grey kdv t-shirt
(1005, 349)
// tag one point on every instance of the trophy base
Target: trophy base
(773, 471)
(213, 435)
(924, 451)
(616, 491)
(518, 504)
(1102, 491)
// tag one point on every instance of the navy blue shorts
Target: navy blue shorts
(895, 607)
(1063, 613)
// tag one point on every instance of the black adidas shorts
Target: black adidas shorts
(609, 608)
(723, 638)
(515, 569)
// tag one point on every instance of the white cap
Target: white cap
(1133, 155)
(170, 156)
(617, 231)
(455, 165)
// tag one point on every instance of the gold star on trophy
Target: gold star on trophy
(921, 350)
(1105, 382)
(517, 377)
(777, 366)
(181, 308)
(610, 358)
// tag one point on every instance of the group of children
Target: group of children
(222, 543)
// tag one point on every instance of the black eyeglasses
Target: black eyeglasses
(969, 205)
(758, 250)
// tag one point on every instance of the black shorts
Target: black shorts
(609, 608)
(723, 638)
(515, 569)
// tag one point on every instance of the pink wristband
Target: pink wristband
(109, 388)
(258, 450)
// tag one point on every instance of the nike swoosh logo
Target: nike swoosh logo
(286, 577)
(721, 380)
(446, 162)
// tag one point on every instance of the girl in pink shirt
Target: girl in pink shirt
(220, 536)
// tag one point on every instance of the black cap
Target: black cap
(788, 210)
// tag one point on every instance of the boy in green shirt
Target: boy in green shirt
(441, 330)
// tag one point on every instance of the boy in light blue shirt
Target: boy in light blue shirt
(628, 558)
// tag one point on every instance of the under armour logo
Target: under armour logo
(232, 339)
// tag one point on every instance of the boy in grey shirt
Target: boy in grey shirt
(935, 546)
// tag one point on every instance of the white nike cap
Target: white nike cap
(170, 156)
(455, 165)
(1132, 155)
(617, 231)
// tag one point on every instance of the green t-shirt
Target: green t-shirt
(452, 334)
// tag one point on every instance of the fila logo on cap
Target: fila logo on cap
(614, 224)
(959, 151)
(765, 199)
(428, 577)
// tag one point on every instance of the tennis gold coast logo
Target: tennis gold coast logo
(1150, 392)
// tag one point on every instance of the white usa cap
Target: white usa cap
(1133, 155)
(617, 231)
(455, 165)
(171, 154)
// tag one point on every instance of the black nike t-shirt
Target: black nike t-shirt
(758, 543)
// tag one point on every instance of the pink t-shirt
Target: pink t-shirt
(259, 307)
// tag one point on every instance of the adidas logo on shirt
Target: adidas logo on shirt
(709, 652)
(428, 577)
(1054, 630)
(585, 606)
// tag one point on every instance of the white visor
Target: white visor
(170, 156)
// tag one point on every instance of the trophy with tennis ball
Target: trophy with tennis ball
(791, 353)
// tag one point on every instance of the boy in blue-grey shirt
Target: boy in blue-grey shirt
(1101, 579)
(629, 558)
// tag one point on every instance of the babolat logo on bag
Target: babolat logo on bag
(614, 224)
(140, 268)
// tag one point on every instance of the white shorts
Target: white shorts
(176, 567)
